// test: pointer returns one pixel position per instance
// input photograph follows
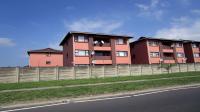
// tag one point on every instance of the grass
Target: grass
(12, 86)
(10, 97)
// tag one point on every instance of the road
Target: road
(184, 100)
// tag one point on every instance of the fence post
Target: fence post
(103, 71)
(160, 68)
(151, 69)
(179, 67)
(187, 68)
(56, 73)
(141, 70)
(90, 71)
(116, 70)
(17, 74)
(195, 67)
(74, 69)
(38, 73)
(129, 69)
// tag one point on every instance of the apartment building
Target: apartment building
(148, 50)
(47, 57)
(84, 48)
(192, 51)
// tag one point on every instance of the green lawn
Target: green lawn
(11, 86)
(11, 97)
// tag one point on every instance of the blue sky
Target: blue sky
(35, 24)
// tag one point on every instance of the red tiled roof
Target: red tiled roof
(46, 50)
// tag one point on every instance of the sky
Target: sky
(35, 24)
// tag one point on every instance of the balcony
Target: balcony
(167, 48)
(168, 60)
(102, 47)
(102, 57)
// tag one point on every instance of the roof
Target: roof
(93, 34)
(191, 41)
(46, 50)
(159, 39)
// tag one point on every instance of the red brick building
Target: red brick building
(83, 48)
(192, 51)
(147, 50)
(45, 58)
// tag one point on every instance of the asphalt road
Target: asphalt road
(187, 100)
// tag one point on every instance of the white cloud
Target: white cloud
(93, 25)
(181, 30)
(196, 11)
(153, 9)
(182, 21)
(6, 42)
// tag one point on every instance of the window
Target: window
(180, 55)
(196, 55)
(120, 41)
(48, 62)
(122, 53)
(154, 54)
(81, 53)
(81, 38)
(179, 44)
(153, 43)
(194, 45)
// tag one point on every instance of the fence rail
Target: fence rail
(17, 74)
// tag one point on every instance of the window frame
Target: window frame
(152, 54)
(85, 39)
(125, 53)
(195, 56)
(178, 45)
(86, 53)
(194, 45)
(124, 41)
(153, 43)
(183, 54)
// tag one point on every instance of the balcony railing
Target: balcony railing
(102, 57)
(103, 45)
(167, 47)
(168, 58)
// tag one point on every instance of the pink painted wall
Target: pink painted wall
(103, 62)
(82, 46)
(39, 60)
(81, 60)
(123, 60)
